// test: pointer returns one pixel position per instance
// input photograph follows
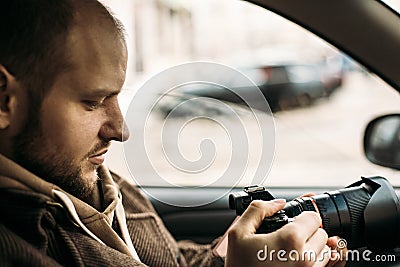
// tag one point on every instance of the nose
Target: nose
(115, 128)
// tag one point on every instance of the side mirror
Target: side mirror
(382, 141)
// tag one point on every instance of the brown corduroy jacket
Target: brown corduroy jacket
(35, 230)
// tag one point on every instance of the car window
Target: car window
(321, 100)
(394, 4)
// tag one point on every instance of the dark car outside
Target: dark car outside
(284, 86)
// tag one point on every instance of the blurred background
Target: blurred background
(321, 99)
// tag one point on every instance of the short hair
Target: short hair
(33, 35)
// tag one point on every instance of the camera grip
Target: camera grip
(273, 223)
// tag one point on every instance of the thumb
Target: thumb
(256, 212)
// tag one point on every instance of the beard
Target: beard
(36, 154)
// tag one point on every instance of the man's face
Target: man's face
(66, 142)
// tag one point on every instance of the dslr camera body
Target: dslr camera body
(365, 213)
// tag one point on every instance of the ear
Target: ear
(7, 81)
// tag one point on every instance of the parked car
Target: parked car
(284, 86)
(332, 71)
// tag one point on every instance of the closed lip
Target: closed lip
(98, 158)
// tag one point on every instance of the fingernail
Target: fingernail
(279, 200)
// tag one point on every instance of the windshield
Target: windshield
(321, 100)
(394, 4)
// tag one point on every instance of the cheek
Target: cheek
(70, 132)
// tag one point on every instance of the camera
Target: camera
(365, 213)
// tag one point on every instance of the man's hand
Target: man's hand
(339, 253)
(300, 243)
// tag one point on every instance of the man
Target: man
(62, 66)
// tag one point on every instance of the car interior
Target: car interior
(352, 131)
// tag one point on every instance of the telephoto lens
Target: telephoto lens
(365, 214)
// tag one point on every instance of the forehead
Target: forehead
(96, 53)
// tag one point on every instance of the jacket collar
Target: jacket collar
(95, 223)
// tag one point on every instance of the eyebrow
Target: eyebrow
(101, 92)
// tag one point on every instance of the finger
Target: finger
(305, 224)
(256, 212)
(336, 242)
(334, 259)
(323, 257)
(317, 241)
(308, 195)
(339, 245)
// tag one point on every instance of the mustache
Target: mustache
(98, 147)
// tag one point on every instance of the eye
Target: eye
(92, 105)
